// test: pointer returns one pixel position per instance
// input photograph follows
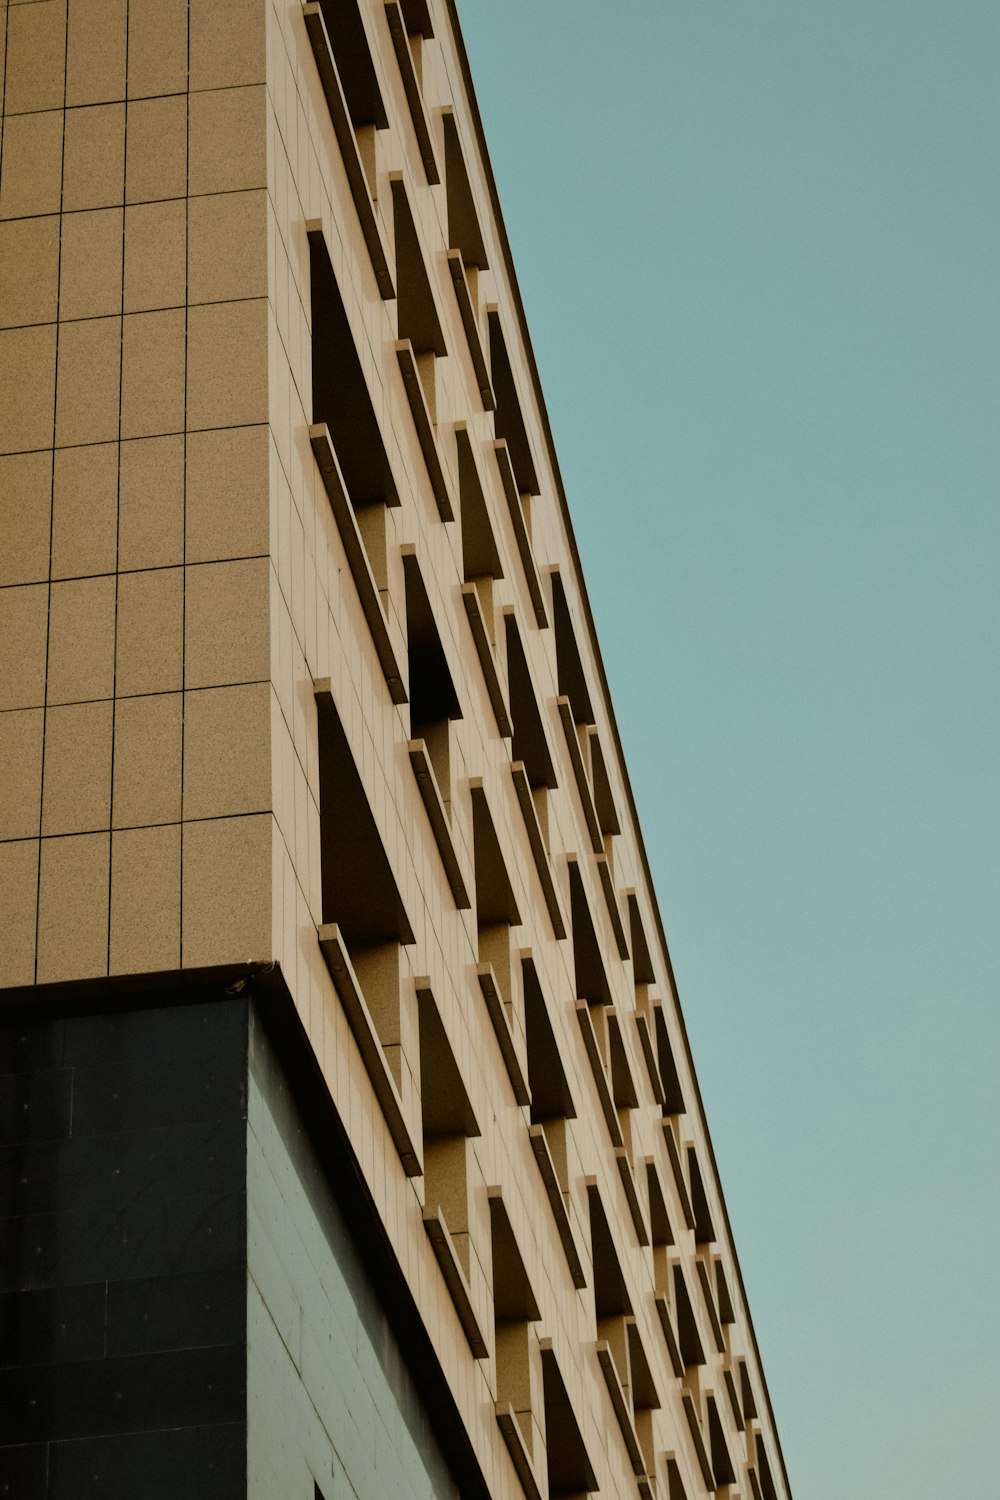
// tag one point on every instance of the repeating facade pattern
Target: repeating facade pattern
(299, 683)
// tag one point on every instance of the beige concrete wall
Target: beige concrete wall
(133, 488)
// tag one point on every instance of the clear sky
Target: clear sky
(759, 247)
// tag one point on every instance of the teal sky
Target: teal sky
(759, 247)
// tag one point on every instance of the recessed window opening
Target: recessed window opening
(509, 417)
(448, 1121)
(433, 700)
(515, 1308)
(688, 1338)
(496, 905)
(572, 676)
(570, 1471)
(612, 1304)
(418, 319)
(464, 230)
(358, 79)
(673, 1100)
(341, 398)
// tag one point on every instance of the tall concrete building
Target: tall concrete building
(351, 1144)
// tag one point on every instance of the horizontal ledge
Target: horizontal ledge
(484, 650)
(470, 323)
(411, 87)
(546, 1166)
(343, 128)
(454, 1276)
(497, 1008)
(510, 1428)
(427, 785)
(407, 362)
(580, 774)
(539, 852)
(631, 1194)
(521, 536)
(599, 1071)
(357, 559)
(621, 1406)
(372, 1053)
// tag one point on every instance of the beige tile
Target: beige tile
(227, 364)
(227, 494)
(151, 503)
(82, 640)
(21, 781)
(95, 53)
(29, 270)
(147, 784)
(90, 276)
(36, 58)
(150, 632)
(153, 373)
(227, 891)
(19, 904)
(227, 751)
(157, 47)
(85, 511)
(155, 255)
(27, 387)
(89, 381)
(23, 627)
(226, 638)
(94, 162)
(227, 247)
(157, 149)
(76, 790)
(73, 907)
(228, 140)
(145, 900)
(32, 165)
(25, 517)
(227, 43)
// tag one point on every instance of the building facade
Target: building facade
(350, 1142)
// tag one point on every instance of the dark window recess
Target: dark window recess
(464, 232)
(675, 1484)
(588, 965)
(611, 1298)
(673, 1100)
(417, 15)
(569, 663)
(447, 1120)
(530, 743)
(767, 1488)
(642, 963)
(515, 1308)
(607, 813)
(358, 77)
(359, 890)
(570, 1471)
(480, 555)
(722, 1464)
(509, 418)
(688, 1337)
(433, 700)
(550, 1093)
(417, 311)
(341, 397)
(704, 1229)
